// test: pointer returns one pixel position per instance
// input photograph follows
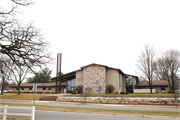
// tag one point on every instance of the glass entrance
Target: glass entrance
(71, 85)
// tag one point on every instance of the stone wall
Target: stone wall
(121, 100)
(94, 77)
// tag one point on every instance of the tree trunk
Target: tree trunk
(150, 87)
(2, 89)
(3, 84)
(18, 89)
(172, 84)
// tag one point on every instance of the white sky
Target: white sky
(108, 32)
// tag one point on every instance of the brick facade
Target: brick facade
(94, 77)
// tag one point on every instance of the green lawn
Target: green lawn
(16, 118)
(22, 96)
(129, 95)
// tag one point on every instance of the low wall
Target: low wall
(144, 91)
(121, 100)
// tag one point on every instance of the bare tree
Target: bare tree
(19, 75)
(5, 74)
(146, 64)
(167, 67)
(24, 46)
(171, 60)
(161, 70)
(176, 82)
(8, 15)
(15, 4)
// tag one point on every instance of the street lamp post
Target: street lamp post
(125, 95)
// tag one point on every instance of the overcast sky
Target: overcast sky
(108, 32)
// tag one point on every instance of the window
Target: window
(139, 87)
(22, 88)
(129, 84)
(50, 88)
(162, 88)
(30, 88)
(44, 88)
(16, 88)
(71, 84)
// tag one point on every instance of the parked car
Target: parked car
(6, 91)
(10, 90)
(176, 91)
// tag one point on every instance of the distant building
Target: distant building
(41, 87)
(158, 85)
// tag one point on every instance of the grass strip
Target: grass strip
(17, 118)
(22, 96)
(128, 95)
(101, 111)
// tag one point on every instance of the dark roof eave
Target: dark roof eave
(73, 72)
(152, 85)
(38, 86)
(132, 75)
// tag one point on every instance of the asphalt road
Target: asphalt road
(95, 106)
(55, 115)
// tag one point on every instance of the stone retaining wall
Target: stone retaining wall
(121, 100)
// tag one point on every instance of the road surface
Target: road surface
(55, 115)
(94, 106)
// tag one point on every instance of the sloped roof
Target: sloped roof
(142, 83)
(93, 64)
(154, 83)
(103, 66)
(72, 74)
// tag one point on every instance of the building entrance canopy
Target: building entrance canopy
(65, 77)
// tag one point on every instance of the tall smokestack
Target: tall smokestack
(59, 58)
(58, 72)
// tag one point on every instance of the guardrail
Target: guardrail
(32, 115)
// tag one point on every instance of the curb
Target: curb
(162, 117)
